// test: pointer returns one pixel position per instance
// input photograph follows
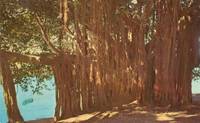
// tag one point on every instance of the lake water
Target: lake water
(31, 106)
(42, 106)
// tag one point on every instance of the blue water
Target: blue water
(196, 87)
(43, 105)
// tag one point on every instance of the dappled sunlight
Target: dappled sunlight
(107, 114)
(133, 113)
(90, 116)
(79, 118)
(173, 116)
(168, 116)
(164, 118)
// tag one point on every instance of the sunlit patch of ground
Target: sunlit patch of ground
(135, 114)
(80, 118)
(132, 113)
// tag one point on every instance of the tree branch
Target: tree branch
(46, 59)
(45, 36)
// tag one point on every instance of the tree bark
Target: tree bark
(64, 87)
(174, 55)
(166, 54)
(13, 111)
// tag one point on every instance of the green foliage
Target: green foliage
(19, 32)
(196, 73)
(31, 76)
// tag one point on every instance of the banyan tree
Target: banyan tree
(102, 53)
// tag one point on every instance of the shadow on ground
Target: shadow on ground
(132, 113)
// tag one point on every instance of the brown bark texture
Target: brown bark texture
(10, 93)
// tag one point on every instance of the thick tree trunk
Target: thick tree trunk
(188, 36)
(166, 53)
(10, 94)
(64, 88)
(174, 55)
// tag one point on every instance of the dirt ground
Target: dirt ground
(132, 113)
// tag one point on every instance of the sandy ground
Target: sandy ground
(132, 113)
